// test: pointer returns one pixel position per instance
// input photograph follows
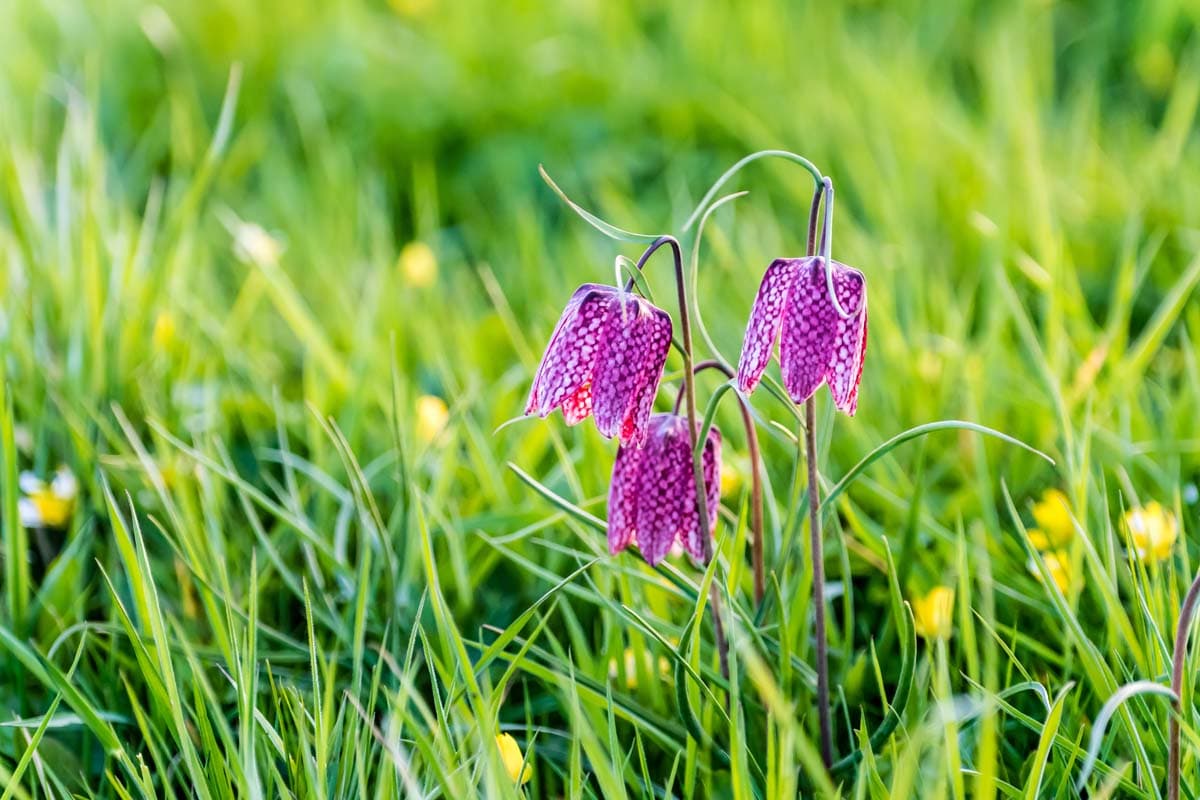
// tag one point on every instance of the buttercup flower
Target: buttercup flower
(1053, 516)
(1058, 564)
(605, 359)
(818, 344)
(1152, 532)
(432, 416)
(652, 499)
(418, 265)
(47, 505)
(514, 762)
(933, 614)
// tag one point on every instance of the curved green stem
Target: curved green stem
(729, 173)
(708, 341)
(827, 249)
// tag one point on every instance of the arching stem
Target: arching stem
(689, 388)
(824, 713)
(756, 488)
(1182, 631)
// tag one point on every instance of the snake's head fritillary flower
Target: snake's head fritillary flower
(818, 344)
(933, 614)
(1152, 532)
(652, 499)
(605, 359)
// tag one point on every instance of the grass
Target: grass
(273, 586)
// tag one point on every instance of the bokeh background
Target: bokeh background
(248, 247)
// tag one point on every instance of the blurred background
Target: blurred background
(260, 237)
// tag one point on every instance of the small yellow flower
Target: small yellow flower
(1053, 516)
(631, 672)
(47, 505)
(1058, 564)
(418, 265)
(1152, 532)
(1039, 540)
(934, 613)
(432, 416)
(518, 769)
(164, 331)
(731, 479)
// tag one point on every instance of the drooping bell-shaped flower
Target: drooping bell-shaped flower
(652, 499)
(605, 358)
(818, 344)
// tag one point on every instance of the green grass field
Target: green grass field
(242, 246)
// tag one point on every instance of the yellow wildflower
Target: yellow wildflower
(1152, 532)
(47, 505)
(1060, 567)
(164, 331)
(1053, 516)
(731, 479)
(418, 265)
(519, 770)
(1039, 540)
(432, 416)
(934, 613)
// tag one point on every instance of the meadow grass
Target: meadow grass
(278, 582)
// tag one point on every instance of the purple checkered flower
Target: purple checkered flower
(819, 344)
(652, 499)
(605, 358)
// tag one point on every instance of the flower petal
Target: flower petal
(766, 316)
(692, 540)
(577, 407)
(30, 483)
(629, 367)
(667, 502)
(65, 485)
(623, 496)
(28, 513)
(571, 354)
(810, 325)
(850, 342)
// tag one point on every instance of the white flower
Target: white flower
(47, 505)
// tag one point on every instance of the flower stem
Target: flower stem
(689, 388)
(756, 489)
(818, 568)
(824, 713)
(1186, 612)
